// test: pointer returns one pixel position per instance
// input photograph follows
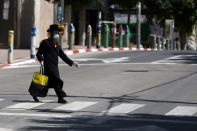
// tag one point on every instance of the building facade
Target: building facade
(22, 15)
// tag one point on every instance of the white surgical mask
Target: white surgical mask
(56, 36)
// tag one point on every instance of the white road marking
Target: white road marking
(1, 99)
(5, 129)
(23, 106)
(182, 111)
(75, 106)
(24, 62)
(175, 59)
(122, 109)
(47, 101)
(53, 115)
(101, 64)
(114, 60)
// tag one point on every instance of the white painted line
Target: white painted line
(82, 51)
(126, 49)
(47, 101)
(94, 50)
(134, 49)
(141, 49)
(149, 49)
(68, 52)
(23, 106)
(122, 109)
(1, 99)
(5, 129)
(105, 49)
(53, 115)
(75, 106)
(166, 60)
(182, 111)
(102, 64)
(24, 62)
(116, 49)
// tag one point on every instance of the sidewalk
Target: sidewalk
(18, 55)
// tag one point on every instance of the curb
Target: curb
(78, 51)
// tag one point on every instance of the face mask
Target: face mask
(56, 36)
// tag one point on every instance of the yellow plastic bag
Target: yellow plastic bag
(40, 79)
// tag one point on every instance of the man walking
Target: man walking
(49, 51)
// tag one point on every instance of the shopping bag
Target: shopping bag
(38, 90)
(38, 86)
(40, 79)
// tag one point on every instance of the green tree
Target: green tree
(184, 13)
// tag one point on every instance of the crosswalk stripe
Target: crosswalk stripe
(23, 106)
(35, 115)
(182, 111)
(122, 109)
(75, 106)
(5, 129)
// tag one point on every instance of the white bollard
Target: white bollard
(10, 46)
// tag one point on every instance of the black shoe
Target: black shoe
(35, 99)
(62, 101)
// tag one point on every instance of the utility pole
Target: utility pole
(17, 16)
(138, 24)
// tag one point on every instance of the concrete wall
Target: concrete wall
(43, 18)
(46, 18)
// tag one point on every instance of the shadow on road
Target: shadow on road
(136, 122)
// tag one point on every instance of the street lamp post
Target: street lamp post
(138, 24)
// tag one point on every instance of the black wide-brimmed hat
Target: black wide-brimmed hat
(54, 27)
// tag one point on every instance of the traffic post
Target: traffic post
(127, 36)
(71, 38)
(33, 42)
(106, 36)
(158, 43)
(120, 36)
(98, 40)
(89, 37)
(113, 35)
(62, 28)
(167, 44)
(10, 46)
(162, 43)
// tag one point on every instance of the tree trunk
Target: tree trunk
(183, 39)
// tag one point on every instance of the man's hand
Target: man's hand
(75, 64)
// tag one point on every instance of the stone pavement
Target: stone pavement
(18, 55)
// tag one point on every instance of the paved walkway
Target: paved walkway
(18, 55)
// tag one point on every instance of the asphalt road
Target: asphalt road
(111, 91)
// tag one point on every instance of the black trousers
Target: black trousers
(57, 84)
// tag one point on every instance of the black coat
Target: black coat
(50, 52)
